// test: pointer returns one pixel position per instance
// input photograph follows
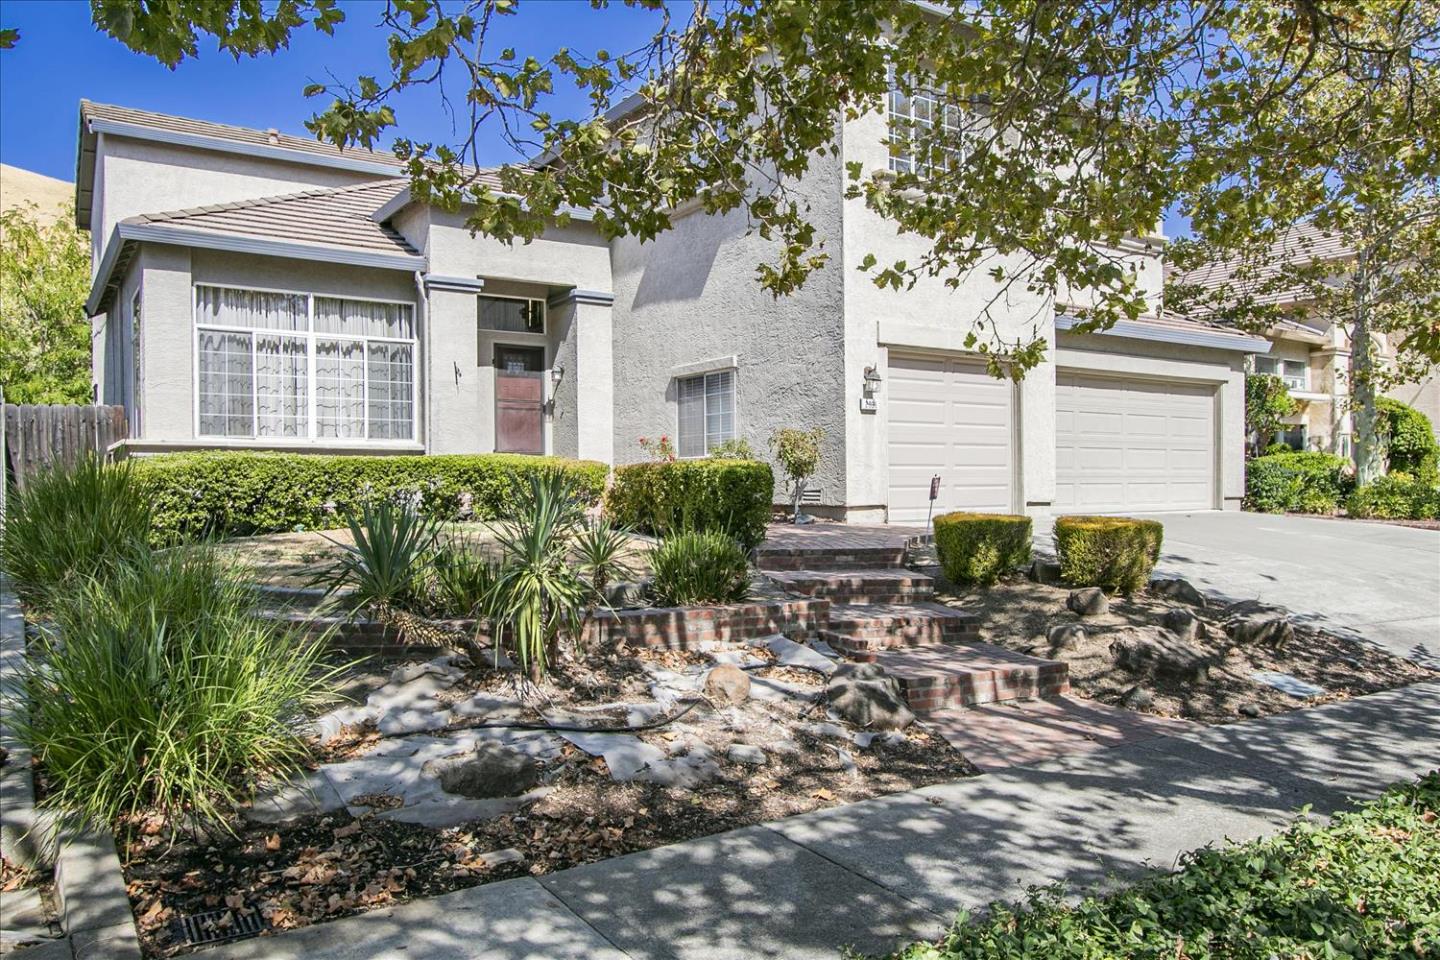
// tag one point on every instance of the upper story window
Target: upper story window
(1295, 374)
(707, 412)
(511, 314)
(913, 119)
(278, 365)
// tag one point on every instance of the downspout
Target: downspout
(424, 388)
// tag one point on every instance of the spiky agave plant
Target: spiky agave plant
(384, 570)
(602, 551)
(539, 596)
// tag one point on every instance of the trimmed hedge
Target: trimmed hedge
(1396, 497)
(1116, 553)
(1309, 482)
(226, 494)
(663, 497)
(979, 547)
(1410, 445)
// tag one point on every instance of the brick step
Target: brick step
(828, 558)
(857, 586)
(861, 631)
(965, 675)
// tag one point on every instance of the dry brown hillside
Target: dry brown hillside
(52, 198)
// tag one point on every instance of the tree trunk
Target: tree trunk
(1369, 457)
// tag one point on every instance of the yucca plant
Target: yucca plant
(700, 567)
(385, 568)
(461, 581)
(70, 524)
(602, 552)
(162, 690)
(539, 596)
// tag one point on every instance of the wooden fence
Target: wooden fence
(34, 437)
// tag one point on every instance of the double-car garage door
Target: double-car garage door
(1121, 444)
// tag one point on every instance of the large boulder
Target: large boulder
(1045, 571)
(864, 695)
(1178, 589)
(1183, 624)
(1088, 602)
(1065, 636)
(1262, 628)
(1160, 653)
(727, 683)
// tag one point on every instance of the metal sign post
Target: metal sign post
(934, 494)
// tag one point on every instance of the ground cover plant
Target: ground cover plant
(1365, 885)
(700, 568)
(70, 524)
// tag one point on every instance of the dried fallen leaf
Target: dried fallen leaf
(823, 794)
(272, 842)
(349, 830)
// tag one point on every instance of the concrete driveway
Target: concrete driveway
(1372, 581)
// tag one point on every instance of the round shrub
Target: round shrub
(979, 547)
(699, 567)
(1309, 482)
(1396, 497)
(1409, 438)
(660, 498)
(1116, 553)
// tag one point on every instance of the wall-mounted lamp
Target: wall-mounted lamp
(872, 380)
(557, 373)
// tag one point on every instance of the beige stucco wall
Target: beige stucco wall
(1423, 396)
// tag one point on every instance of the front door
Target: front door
(519, 399)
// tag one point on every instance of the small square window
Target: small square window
(511, 314)
(706, 414)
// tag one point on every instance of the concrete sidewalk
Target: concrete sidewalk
(886, 871)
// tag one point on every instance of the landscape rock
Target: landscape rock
(1138, 698)
(1183, 624)
(1261, 628)
(491, 770)
(1088, 602)
(1178, 589)
(622, 596)
(1065, 636)
(727, 684)
(1045, 571)
(859, 671)
(1160, 652)
(1249, 710)
(874, 704)
(746, 753)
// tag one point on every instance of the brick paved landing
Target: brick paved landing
(1021, 732)
(963, 675)
(833, 546)
(886, 585)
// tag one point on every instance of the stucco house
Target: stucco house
(258, 290)
(1309, 353)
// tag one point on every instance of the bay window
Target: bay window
(707, 412)
(276, 365)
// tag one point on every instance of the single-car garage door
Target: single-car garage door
(1133, 445)
(947, 417)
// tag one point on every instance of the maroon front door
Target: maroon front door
(519, 399)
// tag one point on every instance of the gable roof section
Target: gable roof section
(331, 225)
(1171, 328)
(97, 118)
(1303, 243)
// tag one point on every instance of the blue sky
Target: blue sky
(62, 58)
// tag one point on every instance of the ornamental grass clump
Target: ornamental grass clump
(700, 567)
(160, 689)
(71, 524)
(1116, 553)
(979, 547)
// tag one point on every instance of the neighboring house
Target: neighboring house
(257, 290)
(1310, 354)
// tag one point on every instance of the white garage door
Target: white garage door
(951, 418)
(1133, 445)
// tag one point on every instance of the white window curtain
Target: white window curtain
(296, 367)
(707, 413)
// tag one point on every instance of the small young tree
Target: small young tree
(44, 334)
(798, 454)
(1267, 404)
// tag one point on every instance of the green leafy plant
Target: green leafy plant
(1116, 553)
(979, 547)
(160, 688)
(1267, 404)
(798, 453)
(69, 524)
(387, 563)
(1289, 481)
(226, 493)
(659, 448)
(539, 597)
(700, 567)
(602, 551)
(737, 449)
(733, 496)
(44, 332)
(1408, 438)
(1361, 885)
(1396, 497)
(461, 581)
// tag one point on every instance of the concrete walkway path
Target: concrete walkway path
(886, 871)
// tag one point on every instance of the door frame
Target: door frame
(540, 353)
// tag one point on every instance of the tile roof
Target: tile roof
(330, 217)
(1302, 243)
